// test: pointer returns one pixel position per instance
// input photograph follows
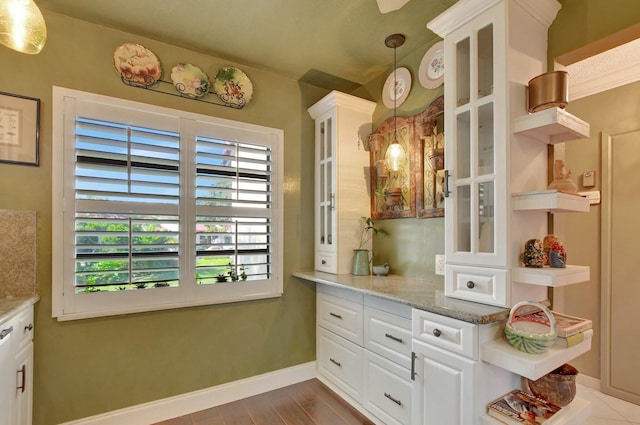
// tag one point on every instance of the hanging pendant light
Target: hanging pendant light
(22, 26)
(395, 156)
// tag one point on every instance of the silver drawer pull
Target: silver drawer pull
(395, 338)
(335, 362)
(337, 316)
(396, 401)
(5, 332)
(471, 284)
(437, 333)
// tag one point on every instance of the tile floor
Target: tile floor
(607, 410)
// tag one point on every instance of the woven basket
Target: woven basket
(529, 336)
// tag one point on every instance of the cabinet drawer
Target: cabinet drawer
(23, 329)
(450, 334)
(479, 284)
(326, 262)
(340, 316)
(386, 390)
(340, 361)
(388, 335)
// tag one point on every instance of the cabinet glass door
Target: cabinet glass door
(325, 191)
(473, 169)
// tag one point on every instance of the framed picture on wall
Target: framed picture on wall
(19, 129)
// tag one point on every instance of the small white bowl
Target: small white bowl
(382, 270)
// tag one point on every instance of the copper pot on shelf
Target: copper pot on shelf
(548, 90)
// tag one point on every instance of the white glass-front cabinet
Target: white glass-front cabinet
(492, 49)
(477, 150)
(342, 124)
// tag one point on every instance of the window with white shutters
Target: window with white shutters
(157, 208)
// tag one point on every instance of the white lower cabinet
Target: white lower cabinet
(340, 361)
(386, 390)
(23, 402)
(364, 353)
(444, 370)
(444, 387)
(16, 368)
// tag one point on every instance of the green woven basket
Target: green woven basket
(530, 336)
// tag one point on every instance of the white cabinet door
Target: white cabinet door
(6, 373)
(386, 390)
(476, 159)
(443, 388)
(340, 361)
(23, 380)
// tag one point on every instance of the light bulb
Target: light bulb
(22, 27)
(395, 156)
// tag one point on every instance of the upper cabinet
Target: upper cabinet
(496, 162)
(342, 124)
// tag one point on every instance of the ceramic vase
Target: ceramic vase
(361, 262)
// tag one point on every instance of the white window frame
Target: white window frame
(66, 304)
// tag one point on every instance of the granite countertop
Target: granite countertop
(11, 306)
(417, 293)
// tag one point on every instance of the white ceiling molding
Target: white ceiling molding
(387, 6)
(604, 71)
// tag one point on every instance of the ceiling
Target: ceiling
(328, 43)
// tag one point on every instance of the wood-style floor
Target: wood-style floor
(306, 403)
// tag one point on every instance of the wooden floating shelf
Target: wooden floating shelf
(549, 200)
(533, 366)
(550, 276)
(551, 126)
(575, 413)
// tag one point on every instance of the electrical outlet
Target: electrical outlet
(439, 264)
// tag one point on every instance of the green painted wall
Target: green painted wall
(91, 366)
(581, 22)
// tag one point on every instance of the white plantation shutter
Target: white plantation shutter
(167, 209)
(233, 206)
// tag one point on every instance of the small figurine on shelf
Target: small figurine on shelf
(533, 255)
(546, 244)
(562, 178)
(557, 256)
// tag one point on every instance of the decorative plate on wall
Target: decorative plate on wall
(397, 89)
(233, 87)
(189, 80)
(431, 70)
(136, 65)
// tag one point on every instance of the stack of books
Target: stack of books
(521, 407)
(571, 329)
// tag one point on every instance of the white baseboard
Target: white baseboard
(588, 381)
(172, 407)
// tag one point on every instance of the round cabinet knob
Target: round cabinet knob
(437, 333)
(470, 284)
(324, 262)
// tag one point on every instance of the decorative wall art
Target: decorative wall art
(19, 129)
(430, 177)
(393, 192)
(417, 190)
(140, 67)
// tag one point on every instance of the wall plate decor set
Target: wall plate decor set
(140, 67)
